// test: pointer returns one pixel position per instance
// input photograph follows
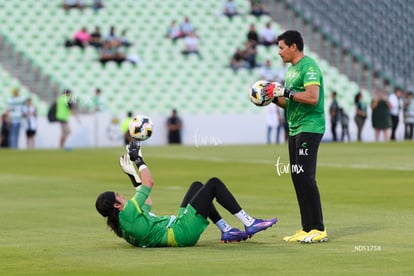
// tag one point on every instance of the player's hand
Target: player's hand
(276, 89)
(126, 165)
(128, 168)
(279, 90)
(134, 150)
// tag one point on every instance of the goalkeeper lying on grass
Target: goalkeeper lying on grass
(133, 221)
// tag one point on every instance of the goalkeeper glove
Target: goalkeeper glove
(278, 90)
(134, 152)
(128, 168)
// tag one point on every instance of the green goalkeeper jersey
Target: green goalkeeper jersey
(139, 226)
(305, 117)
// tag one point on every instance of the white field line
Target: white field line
(395, 167)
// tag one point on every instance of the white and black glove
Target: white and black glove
(128, 168)
(279, 90)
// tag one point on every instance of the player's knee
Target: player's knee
(214, 180)
(196, 185)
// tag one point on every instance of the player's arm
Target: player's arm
(310, 96)
(280, 93)
(135, 155)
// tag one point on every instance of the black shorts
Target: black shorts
(30, 133)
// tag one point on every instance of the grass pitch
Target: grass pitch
(49, 225)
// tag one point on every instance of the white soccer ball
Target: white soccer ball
(140, 127)
(258, 94)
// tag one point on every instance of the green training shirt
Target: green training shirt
(139, 226)
(63, 108)
(305, 117)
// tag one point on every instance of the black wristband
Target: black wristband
(275, 100)
(139, 162)
(133, 181)
(289, 94)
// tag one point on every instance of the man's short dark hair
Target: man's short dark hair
(292, 37)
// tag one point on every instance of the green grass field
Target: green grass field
(49, 224)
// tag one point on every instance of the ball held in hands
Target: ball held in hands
(260, 94)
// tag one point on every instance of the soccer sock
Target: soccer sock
(244, 217)
(223, 226)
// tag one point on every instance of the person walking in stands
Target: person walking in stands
(65, 107)
(302, 96)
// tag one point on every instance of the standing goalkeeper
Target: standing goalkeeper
(303, 99)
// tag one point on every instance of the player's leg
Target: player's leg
(293, 159)
(65, 133)
(228, 233)
(394, 124)
(303, 173)
(215, 188)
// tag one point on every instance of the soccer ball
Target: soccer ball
(258, 94)
(140, 127)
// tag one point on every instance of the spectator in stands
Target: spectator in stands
(112, 38)
(98, 101)
(409, 116)
(15, 109)
(5, 130)
(230, 9)
(360, 114)
(395, 110)
(73, 4)
(97, 4)
(96, 38)
(125, 128)
(257, 9)
(81, 38)
(65, 107)
(267, 72)
(252, 35)
(344, 119)
(250, 54)
(174, 126)
(173, 31)
(110, 52)
(334, 115)
(268, 36)
(186, 27)
(30, 118)
(191, 42)
(237, 60)
(123, 40)
(381, 120)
